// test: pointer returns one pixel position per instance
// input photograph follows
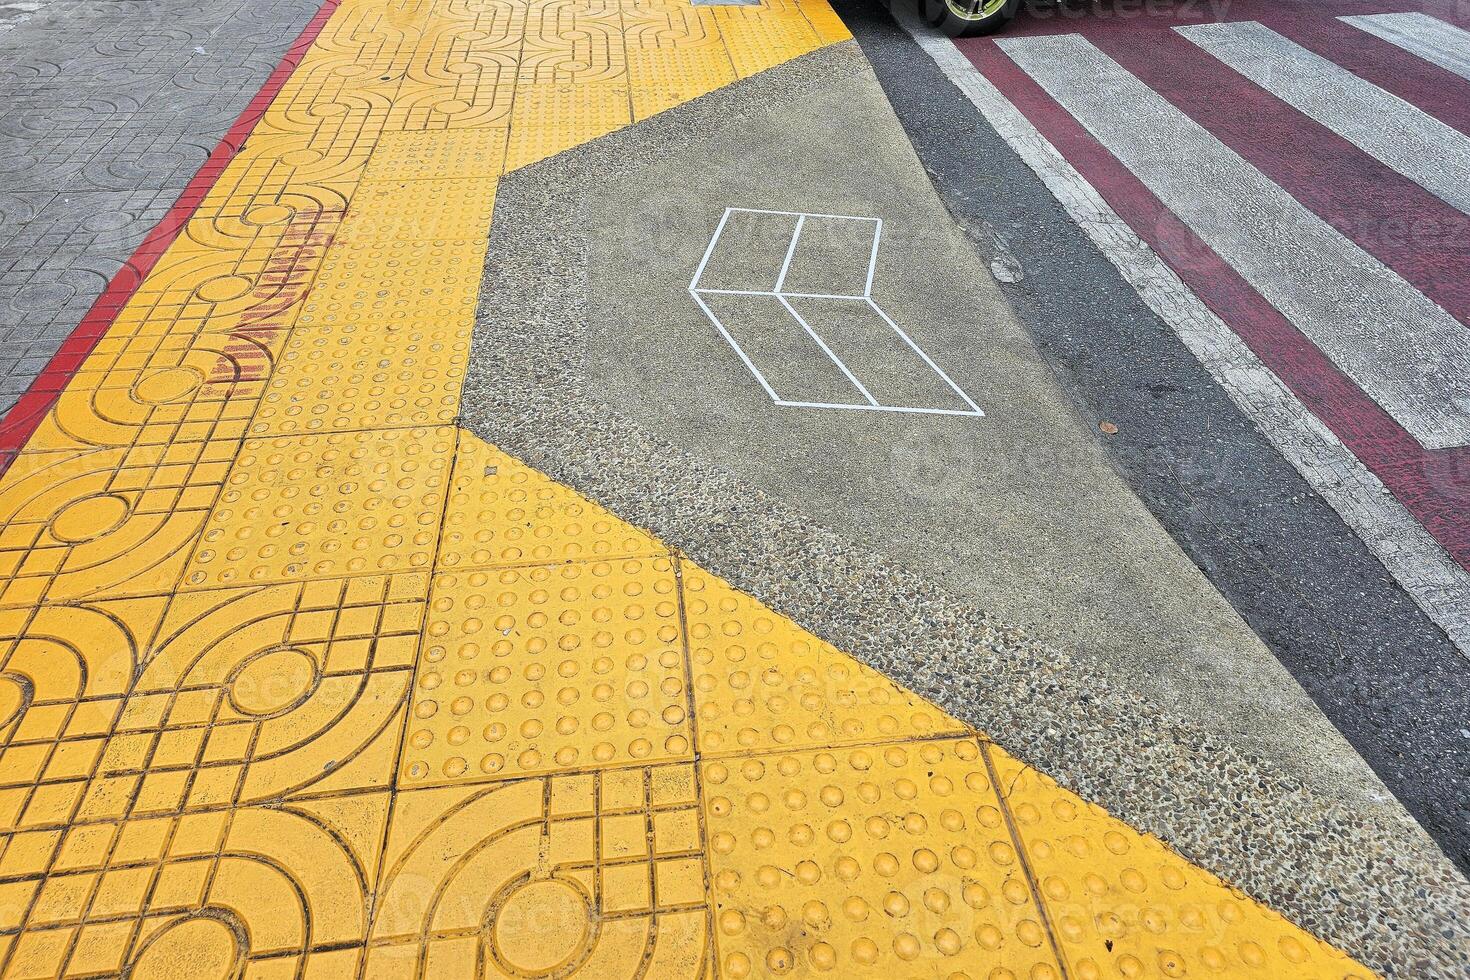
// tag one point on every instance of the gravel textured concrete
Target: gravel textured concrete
(1359, 873)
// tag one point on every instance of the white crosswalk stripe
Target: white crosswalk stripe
(1428, 37)
(1423, 149)
(1380, 518)
(1404, 351)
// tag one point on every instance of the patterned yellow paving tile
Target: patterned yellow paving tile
(501, 512)
(762, 682)
(874, 861)
(281, 179)
(469, 32)
(189, 356)
(479, 96)
(255, 237)
(310, 173)
(1123, 904)
(387, 30)
(64, 671)
(336, 93)
(257, 693)
(201, 894)
(573, 42)
(105, 522)
(546, 669)
(245, 695)
(329, 505)
(597, 875)
(203, 390)
(228, 267)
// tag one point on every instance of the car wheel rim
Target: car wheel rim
(973, 9)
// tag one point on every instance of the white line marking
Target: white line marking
(927, 359)
(880, 408)
(873, 261)
(790, 252)
(828, 351)
(1433, 155)
(1406, 353)
(804, 214)
(1427, 37)
(773, 293)
(750, 365)
(784, 297)
(1432, 579)
(710, 249)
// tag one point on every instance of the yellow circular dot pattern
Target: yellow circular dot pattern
(549, 669)
(1121, 904)
(867, 861)
(762, 682)
(316, 506)
(502, 512)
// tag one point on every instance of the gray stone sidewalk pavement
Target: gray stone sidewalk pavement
(107, 109)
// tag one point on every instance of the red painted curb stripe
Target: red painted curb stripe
(1433, 486)
(21, 421)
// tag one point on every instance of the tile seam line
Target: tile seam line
(696, 765)
(396, 781)
(1023, 859)
(20, 422)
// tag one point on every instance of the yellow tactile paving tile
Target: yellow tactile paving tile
(298, 679)
(417, 209)
(502, 513)
(550, 117)
(334, 377)
(863, 861)
(760, 682)
(396, 280)
(547, 669)
(461, 155)
(324, 506)
(1122, 904)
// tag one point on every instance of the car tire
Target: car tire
(969, 18)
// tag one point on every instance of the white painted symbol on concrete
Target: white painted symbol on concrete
(808, 329)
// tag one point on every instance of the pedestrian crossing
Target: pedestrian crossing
(1306, 174)
(1409, 355)
(1419, 34)
(1432, 154)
